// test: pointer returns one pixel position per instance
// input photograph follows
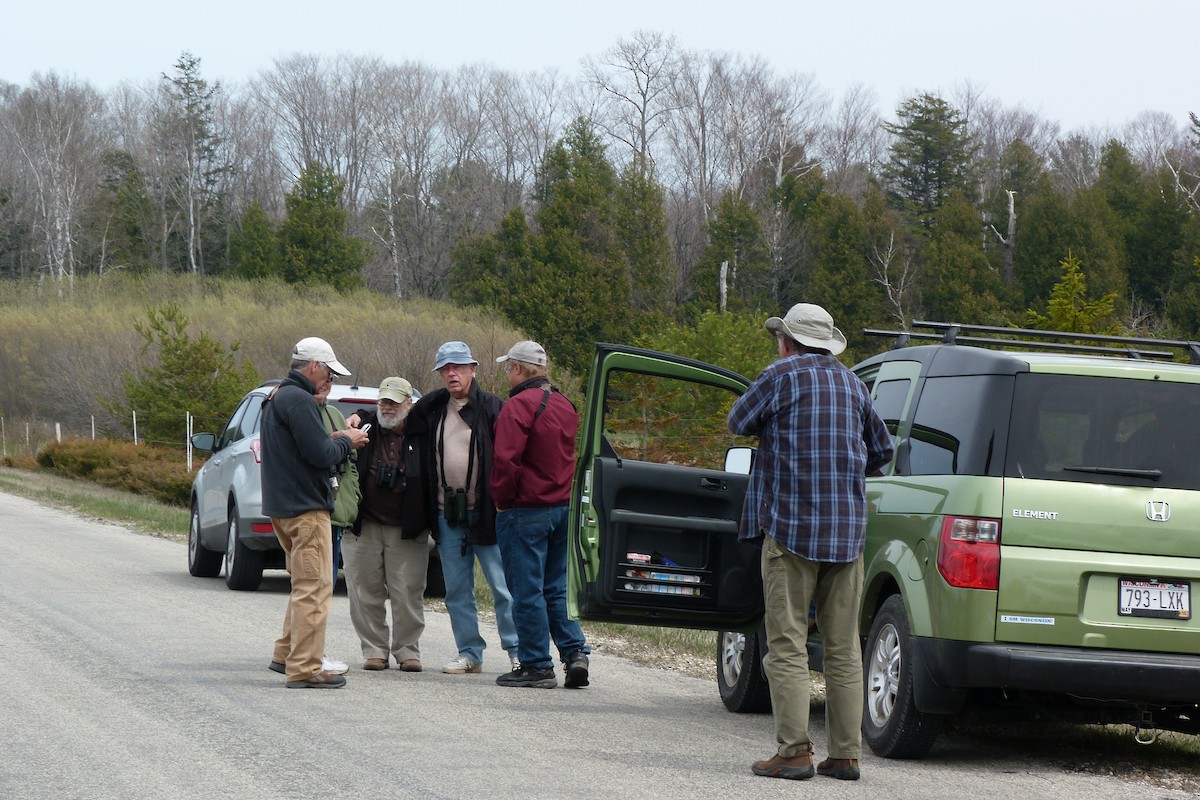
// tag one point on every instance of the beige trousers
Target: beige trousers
(383, 569)
(790, 584)
(308, 551)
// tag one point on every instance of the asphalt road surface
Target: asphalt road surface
(124, 677)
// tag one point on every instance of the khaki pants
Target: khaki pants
(307, 542)
(382, 569)
(790, 584)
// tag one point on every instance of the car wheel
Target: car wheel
(202, 562)
(243, 566)
(892, 725)
(435, 580)
(740, 678)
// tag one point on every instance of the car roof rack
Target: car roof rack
(988, 335)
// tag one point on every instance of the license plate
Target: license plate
(1148, 597)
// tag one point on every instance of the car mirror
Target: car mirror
(739, 460)
(204, 441)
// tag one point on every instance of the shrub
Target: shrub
(156, 472)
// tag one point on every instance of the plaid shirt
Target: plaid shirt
(819, 436)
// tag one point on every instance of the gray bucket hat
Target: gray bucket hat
(809, 325)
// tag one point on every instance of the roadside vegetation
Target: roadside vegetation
(1172, 761)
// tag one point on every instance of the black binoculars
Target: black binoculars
(388, 474)
(455, 506)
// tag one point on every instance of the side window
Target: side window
(249, 425)
(668, 420)
(889, 402)
(960, 426)
(233, 428)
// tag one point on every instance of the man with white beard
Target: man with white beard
(387, 557)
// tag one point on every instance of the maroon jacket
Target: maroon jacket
(533, 458)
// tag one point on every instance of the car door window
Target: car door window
(233, 428)
(668, 420)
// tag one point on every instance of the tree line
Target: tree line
(655, 186)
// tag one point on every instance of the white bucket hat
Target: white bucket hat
(809, 325)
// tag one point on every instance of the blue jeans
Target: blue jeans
(459, 570)
(534, 544)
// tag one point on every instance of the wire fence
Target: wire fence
(27, 437)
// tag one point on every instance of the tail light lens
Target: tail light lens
(969, 552)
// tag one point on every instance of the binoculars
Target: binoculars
(455, 506)
(388, 474)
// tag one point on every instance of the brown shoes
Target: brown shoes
(410, 665)
(375, 664)
(797, 768)
(844, 769)
(322, 680)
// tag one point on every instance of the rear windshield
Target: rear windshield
(1127, 432)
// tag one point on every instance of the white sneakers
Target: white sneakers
(334, 667)
(461, 666)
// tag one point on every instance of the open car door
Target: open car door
(654, 513)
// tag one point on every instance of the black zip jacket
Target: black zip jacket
(480, 414)
(415, 515)
(297, 453)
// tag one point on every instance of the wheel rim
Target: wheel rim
(883, 675)
(732, 647)
(231, 545)
(194, 537)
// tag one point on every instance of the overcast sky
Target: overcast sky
(1081, 63)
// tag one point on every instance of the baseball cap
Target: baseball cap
(526, 351)
(314, 349)
(395, 389)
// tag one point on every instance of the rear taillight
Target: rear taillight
(256, 449)
(262, 527)
(969, 552)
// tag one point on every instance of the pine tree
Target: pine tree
(314, 245)
(253, 246)
(930, 159)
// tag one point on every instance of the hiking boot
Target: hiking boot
(531, 677)
(277, 666)
(844, 769)
(461, 666)
(322, 680)
(797, 768)
(411, 665)
(576, 669)
(375, 664)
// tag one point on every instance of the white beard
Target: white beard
(393, 421)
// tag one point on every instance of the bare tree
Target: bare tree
(896, 272)
(55, 125)
(1150, 137)
(854, 142)
(634, 78)
(1076, 159)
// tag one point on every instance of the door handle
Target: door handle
(713, 483)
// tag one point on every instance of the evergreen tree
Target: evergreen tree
(641, 223)
(253, 246)
(314, 245)
(734, 239)
(197, 376)
(930, 159)
(120, 217)
(1070, 309)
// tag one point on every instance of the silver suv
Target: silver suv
(227, 523)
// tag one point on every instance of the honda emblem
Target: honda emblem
(1158, 510)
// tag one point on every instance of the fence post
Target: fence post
(93, 427)
(3, 438)
(187, 439)
(135, 441)
(28, 447)
(58, 432)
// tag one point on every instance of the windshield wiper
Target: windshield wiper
(1152, 474)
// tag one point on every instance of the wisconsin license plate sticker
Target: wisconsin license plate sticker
(1149, 597)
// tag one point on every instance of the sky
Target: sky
(1083, 63)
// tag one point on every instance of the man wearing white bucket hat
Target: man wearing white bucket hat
(819, 437)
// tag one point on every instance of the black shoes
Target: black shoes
(277, 666)
(322, 680)
(576, 668)
(531, 677)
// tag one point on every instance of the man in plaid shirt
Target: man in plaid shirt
(819, 437)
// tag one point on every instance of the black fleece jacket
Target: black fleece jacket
(297, 453)
(480, 414)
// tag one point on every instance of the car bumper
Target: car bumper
(1117, 675)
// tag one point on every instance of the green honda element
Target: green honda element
(1033, 542)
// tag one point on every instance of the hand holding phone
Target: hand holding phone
(365, 428)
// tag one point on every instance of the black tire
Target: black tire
(740, 677)
(892, 725)
(435, 580)
(202, 562)
(243, 566)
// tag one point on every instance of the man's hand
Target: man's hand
(354, 420)
(357, 438)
